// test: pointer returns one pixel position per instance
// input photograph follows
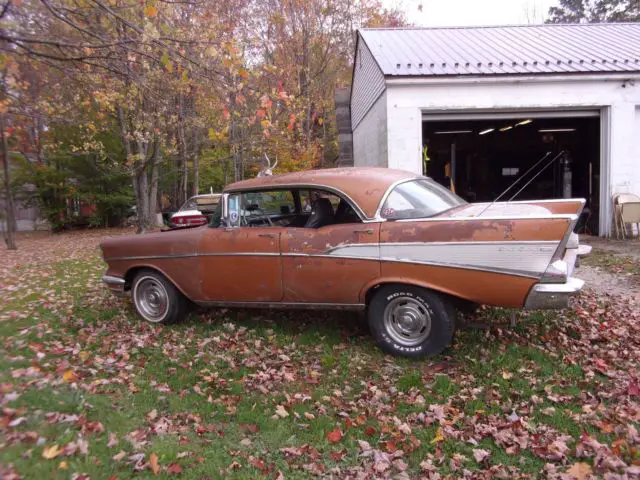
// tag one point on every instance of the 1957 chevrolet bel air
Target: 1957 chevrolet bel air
(396, 244)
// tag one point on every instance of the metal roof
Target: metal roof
(508, 50)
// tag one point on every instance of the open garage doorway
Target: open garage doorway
(481, 155)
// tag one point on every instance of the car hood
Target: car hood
(498, 209)
(168, 243)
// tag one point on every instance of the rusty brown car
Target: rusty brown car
(398, 245)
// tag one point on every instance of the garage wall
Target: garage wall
(406, 102)
(368, 83)
(370, 141)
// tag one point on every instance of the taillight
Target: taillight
(194, 220)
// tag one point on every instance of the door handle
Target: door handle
(368, 231)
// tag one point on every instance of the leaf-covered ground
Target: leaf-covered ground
(87, 390)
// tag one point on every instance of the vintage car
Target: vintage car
(398, 245)
(196, 211)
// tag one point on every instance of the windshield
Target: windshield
(204, 204)
(419, 199)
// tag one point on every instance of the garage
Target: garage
(555, 108)
(530, 155)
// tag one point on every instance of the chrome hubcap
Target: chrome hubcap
(151, 299)
(407, 321)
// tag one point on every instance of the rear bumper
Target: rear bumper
(555, 295)
(115, 284)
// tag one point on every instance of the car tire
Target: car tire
(156, 299)
(410, 321)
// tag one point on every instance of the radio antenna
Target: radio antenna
(537, 174)
(515, 183)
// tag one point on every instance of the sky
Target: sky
(447, 13)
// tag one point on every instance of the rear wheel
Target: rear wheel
(156, 299)
(410, 321)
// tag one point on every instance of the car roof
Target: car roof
(365, 186)
(206, 195)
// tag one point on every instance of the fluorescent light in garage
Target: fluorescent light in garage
(448, 132)
(488, 130)
(557, 130)
(504, 129)
(524, 122)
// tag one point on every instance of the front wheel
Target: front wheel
(410, 321)
(156, 299)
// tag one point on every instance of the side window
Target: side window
(340, 211)
(260, 209)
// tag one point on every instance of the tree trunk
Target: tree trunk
(11, 221)
(196, 173)
(196, 162)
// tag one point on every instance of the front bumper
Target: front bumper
(555, 295)
(115, 284)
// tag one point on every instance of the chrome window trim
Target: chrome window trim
(378, 216)
(302, 186)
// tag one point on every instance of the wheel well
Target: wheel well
(133, 272)
(372, 291)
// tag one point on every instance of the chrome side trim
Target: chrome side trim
(530, 258)
(497, 217)
(284, 305)
(503, 271)
(464, 242)
(111, 280)
(552, 200)
(189, 255)
(152, 257)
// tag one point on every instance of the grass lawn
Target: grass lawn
(88, 390)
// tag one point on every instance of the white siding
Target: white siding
(406, 103)
(368, 83)
(370, 140)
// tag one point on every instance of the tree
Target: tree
(10, 211)
(595, 11)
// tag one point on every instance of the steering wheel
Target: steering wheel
(262, 216)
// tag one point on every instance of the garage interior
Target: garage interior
(481, 157)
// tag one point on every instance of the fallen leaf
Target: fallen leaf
(174, 469)
(281, 411)
(335, 436)
(63, 465)
(580, 470)
(480, 455)
(153, 463)
(51, 452)
(69, 376)
(439, 436)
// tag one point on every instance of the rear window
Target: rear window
(418, 199)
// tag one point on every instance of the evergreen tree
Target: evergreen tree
(595, 11)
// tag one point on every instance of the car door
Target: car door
(241, 262)
(330, 264)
